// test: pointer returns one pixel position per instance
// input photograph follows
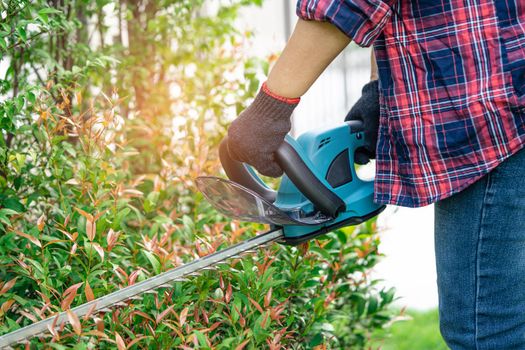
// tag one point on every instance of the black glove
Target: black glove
(259, 131)
(366, 109)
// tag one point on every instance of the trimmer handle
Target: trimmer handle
(323, 198)
(242, 174)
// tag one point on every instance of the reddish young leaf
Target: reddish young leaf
(214, 326)
(183, 315)
(111, 239)
(29, 316)
(228, 294)
(242, 345)
(84, 214)
(96, 334)
(74, 321)
(99, 215)
(263, 322)
(121, 345)
(135, 341)
(66, 220)
(99, 250)
(8, 285)
(242, 320)
(91, 229)
(69, 295)
(6, 306)
(268, 298)
(99, 323)
(32, 239)
(89, 292)
(88, 314)
(73, 249)
(72, 289)
(256, 304)
(205, 316)
(163, 314)
(40, 223)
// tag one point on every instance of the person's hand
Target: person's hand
(259, 131)
(366, 109)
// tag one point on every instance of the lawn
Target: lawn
(419, 332)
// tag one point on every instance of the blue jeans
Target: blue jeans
(480, 260)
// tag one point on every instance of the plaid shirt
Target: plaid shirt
(452, 81)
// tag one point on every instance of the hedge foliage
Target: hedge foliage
(109, 110)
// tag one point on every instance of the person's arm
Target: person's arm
(311, 48)
(261, 128)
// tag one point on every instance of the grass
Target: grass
(419, 332)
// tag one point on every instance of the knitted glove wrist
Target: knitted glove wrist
(260, 129)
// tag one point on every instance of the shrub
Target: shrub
(101, 140)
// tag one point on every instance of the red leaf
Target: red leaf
(256, 304)
(99, 250)
(163, 314)
(6, 306)
(7, 286)
(242, 345)
(69, 295)
(121, 345)
(214, 326)
(183, 315)
(40, 223)
(84, 214)
(89, 292)
(268, 298)
(91, 229)
(75, 323)
(228, 294)
(99, 323)
(32, 239)
(72, 289)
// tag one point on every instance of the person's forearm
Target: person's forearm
(311, 48)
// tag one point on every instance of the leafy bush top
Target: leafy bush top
(103, 133)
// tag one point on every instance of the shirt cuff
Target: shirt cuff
(361, 20)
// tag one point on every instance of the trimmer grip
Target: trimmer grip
(297, 171)
(323, 198)
(239, 173)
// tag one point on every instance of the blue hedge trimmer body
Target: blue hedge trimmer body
(319, 191)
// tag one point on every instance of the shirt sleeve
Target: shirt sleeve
(361, 20)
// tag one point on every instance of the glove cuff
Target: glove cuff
(290, 101)
(372, 85)
(271, 106)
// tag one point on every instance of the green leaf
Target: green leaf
(13, 204)
(372, 305)
(48, 10)
(22, 33)
(153, 261)
(321, 252)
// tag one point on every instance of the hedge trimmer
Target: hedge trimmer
(319, 192)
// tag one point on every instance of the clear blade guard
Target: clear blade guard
(241, 203)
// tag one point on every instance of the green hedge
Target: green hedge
(101, 141)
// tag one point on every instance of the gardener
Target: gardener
(451, 127)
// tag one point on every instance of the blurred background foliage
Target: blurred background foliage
(108, 111)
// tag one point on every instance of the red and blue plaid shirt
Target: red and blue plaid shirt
(452, 81)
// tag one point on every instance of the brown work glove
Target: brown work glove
(260, 129)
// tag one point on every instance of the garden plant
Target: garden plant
(108, 111)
